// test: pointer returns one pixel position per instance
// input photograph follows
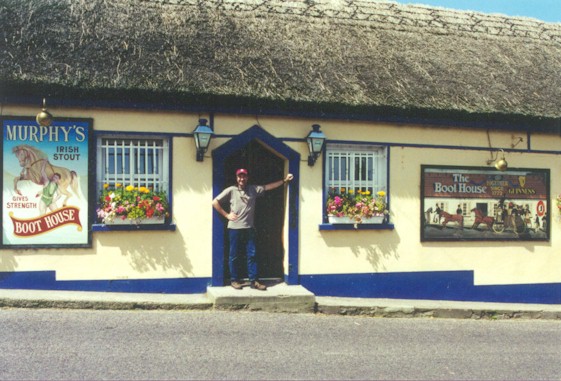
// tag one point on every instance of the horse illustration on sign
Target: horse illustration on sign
(451, 217)
(480, 218)
(37, 169)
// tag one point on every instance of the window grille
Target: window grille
(353, 168)
(142, 162)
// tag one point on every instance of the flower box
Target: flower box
(358, 207)
(373, 220)
(144, 221)
(340, 220)
(131, 205)
(348, 220)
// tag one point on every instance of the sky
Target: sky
(545, 10)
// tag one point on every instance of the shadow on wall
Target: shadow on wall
(376, 246)
(152, 251)
(7, 262)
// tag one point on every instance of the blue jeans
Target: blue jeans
(240, 238)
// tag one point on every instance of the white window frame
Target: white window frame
(365, 168)
(147, 155)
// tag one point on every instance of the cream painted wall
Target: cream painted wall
(332, 252)
(142, 254)
(187, 252)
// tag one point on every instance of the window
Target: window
(353, 168)
(138, 162)
(134, 164)
(355, 187)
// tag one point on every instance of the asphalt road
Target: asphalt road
(80, 344)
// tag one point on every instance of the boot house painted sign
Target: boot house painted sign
(45, 183)
(478, 204)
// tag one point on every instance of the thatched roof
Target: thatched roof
(351, 57)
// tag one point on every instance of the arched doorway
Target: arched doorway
(266, 159)
(264, 167)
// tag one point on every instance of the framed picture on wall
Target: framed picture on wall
(484, 204)
(46, 178)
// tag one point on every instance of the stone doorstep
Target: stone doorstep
(277, 298)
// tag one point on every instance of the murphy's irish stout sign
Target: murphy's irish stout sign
(45, 183)
(466, 203)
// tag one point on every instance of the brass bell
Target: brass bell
(44, 118)
(501, 165)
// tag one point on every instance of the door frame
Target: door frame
(219, 155)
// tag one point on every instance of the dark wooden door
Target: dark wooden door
(264, 167)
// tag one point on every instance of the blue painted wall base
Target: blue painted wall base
(437, 285)
(46, 280)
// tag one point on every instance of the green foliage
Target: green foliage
(131, 203)
(357, 206)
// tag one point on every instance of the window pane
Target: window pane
(353, 167)
(136, 162)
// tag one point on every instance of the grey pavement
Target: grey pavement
(278, 298)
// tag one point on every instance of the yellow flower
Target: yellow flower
(351, 191)
(118, 185)
(129, 188)
(381, 193)
(366, 193)
(105, 186)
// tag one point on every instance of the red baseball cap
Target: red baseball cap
(241, 171)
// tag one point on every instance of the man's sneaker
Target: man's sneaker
(237, 285)
(258, 286)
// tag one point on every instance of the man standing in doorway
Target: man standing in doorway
(241, 198)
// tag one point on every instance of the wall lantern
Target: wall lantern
(316, 141)
(44, 118)
(202, 135)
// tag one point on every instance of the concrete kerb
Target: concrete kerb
(436, 309)
(101, 300)
(298, 301)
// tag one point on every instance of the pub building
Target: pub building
(424, 144)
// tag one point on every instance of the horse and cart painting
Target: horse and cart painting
(479, 204)
(45, 183)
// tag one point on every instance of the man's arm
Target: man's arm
(230, 216)
(277, 184)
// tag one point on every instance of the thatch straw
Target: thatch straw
(350, 54)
